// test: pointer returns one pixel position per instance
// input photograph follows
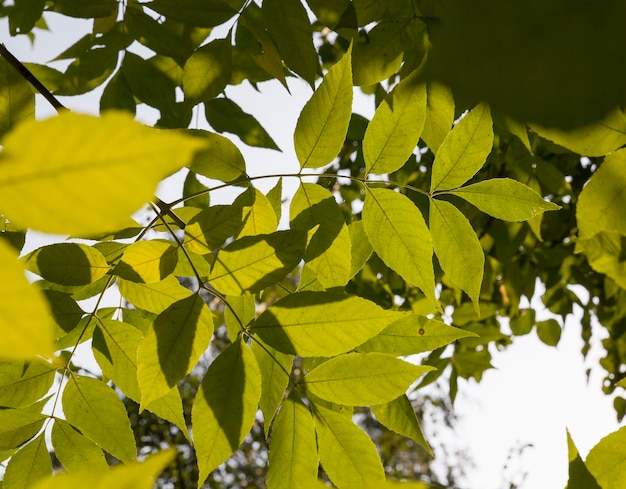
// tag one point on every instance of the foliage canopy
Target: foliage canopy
(425, 226)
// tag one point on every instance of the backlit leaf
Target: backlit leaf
(361, 247)
(172, 346)
(379, 55)
(208, 230)
(225, 405)
(74, 450)
(579, 475)
(321, 323)
(30, 464)
(155, 297)
(361, 379)
(21, 384)
(253, 263)
(323, 123)
(397, 231)
(464, 150)
(258, 213)
(293, 459)
(439, 114)
(220, 160)
(395, 129)
(348, 455)
(17, 99)
(98, 413)
(328, 251)
(605, 253)
(607, 460)
(86, 8)
(17, 426)
(147, 261)
(505, 199)
(457, 247)
(202, 13)
(67, 263)
(23, 335)
(95, 161)
(208, 70)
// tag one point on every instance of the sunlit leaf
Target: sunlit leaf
(225, 405)
(155, 297)
(579, 475)
(17, 99)
(94, 161)
(29, 465)
(211, 227)
(361, 247)
(321, 323)
(258, 214)
(98, 413)
(147, 261)
(397, 231)
(208, 70)
(18, 426)
(361, 379)
(464, 150)
(606, 461)
(379, 55)
(221, 159)
(74, 450)
(505, 199)
(439, 114)
(605, 253)
(323, 123)
(21, 384)
(200, 13)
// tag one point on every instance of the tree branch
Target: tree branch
(30, 78)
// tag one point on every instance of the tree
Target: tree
(461, 195)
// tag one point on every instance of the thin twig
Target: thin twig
(30, 78)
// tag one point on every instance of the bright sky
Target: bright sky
(534, 393)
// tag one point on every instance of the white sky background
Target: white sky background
(534, 393)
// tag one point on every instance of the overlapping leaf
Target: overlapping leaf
(74, 450)
(148, 261)
(21, 384)
(29, 465)
(208, 70)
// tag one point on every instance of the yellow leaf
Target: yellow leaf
(82, 175)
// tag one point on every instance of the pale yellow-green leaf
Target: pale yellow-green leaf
(323, 123)
(595, 139)
(29, 465)
(361, 247)
(148, 261)
(85, 175)
(172, 346)
(439, 114)
(378, 56)
(506, 199)
(220, 159)
(240, 310)
(74, 450)
(361, 379)
(259, 217)
(21, 384)
(321, 323)
(211, 227)
(607, 460)
(395, 129)
(155, 297)
(293, 459)
(457, 248)
(605, 253)
(399, 416)
(67, 263)
(208, 70)
(225, 406)
(464, 150)
(123, 476)
(18, 426)
(413, 334)
(94, 408)
(347, 454)
(23, 335)
(328, 251)
(398, 233)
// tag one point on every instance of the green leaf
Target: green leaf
(607, 460)
(579, 475)
(23, 16)
(605, 253)
(211, 227)
(549, 331)
(595, 139)
(75, 451)
(253, 263)
(258, 213)
(395, 129)
(225, 405)
(400, 237)
(172, 346)
(192, 188)
(224, 115)
(147, 82)
(398, 415)
(439, 114)
(23, 335)
(86, 9)
(505, 199)
(201, 13)
(40, 188)
(117, 95)
(288, 23)
(348, 455)
(155, 297)
(293, 459)
(361, 379)
(122, 476)
(413, 334)
(67, 263)
(602, 201)
(321, 323)
(30, 464)
(464, 150)
(379, 55)
(21, 384)
(147, 261)
(221, 160)
(208, 70)
(328, 251)
(361, 247)
(98, 413)
(275, 368)
(457, 247)
(17, 99)
(275, 196)
(240, 311)
(17, 426)
(323, 123)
